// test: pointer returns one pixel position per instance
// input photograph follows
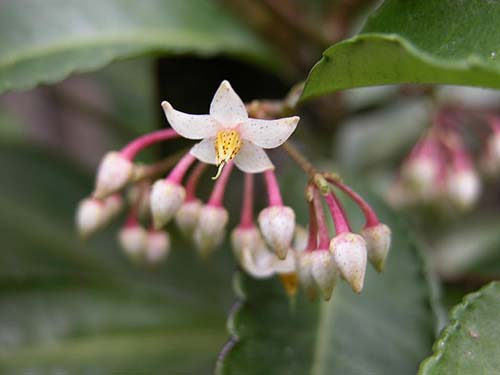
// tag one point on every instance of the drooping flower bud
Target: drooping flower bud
(463, 188)
(300, 239)
(133, 240)
(113, 204)
(324, 272)
(378, 243)
(89, 216)
(157, 247)
(165, 199)
(421, 174)
(349, 252)
(187, 216)
(277, 224)
(113, 174)
(245, 240)
(211, 228)
(304, 270)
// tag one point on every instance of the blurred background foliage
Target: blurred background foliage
(81, 78)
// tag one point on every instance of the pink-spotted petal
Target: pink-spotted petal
(268, 133)
(205, 150)
(190, 126)
(227, 107)
(252, 159)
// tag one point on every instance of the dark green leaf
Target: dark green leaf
(387, 329)
(427, 41)
(70, 307)
(469, 344)
(45, 41)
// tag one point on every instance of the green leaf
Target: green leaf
(469, 344)
(388, 329)
(45, 41)
(82, 308)
(427, 41)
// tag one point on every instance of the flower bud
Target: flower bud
(277, 224)
(300, 238)
(421, 174)
(378, 243)
(211, 229)
(89, 216)
(245, 240)
(165, 199)
(112, 207)
(349, 252)
(157, 246)
(259, 264)
(133, 240)
(463, 188)
(324, 272)
(113, 173)
(304, 270)
(187, 216)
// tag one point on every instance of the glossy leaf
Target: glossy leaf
(469, 344)
(70, 307)
(387, 329)
(45, 41)
(427, 41)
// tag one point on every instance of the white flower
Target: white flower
(227, 133)
(133, 241)
(157, 247)
(187, 216)
(464, 187)
(89, 216)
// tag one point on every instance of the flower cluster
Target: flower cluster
(271, 245)
(442, 168)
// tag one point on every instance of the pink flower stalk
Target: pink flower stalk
(130, 151)
(324, 235)
(273, 189)
(246, 220)
(193, 180)
(116, 168)
(217, 197)
(337, 211)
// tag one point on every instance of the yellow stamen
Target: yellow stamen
(227, 146)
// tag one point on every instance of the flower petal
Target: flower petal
(268, 133)
(190, 126)
(227, 107)
(252, 159)
(205, 150)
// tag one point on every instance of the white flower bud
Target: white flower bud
(287, 265)
(420, 174)
(349, 252)
(165, 199)
(277, 224)
(187, 216)
(133, 240)
(304, 271)
(463, 188)
(89, 216)
(211, 229)
(157, 247)
(324, 272)
(300, 238)
(245, 239)
(113, 173)
(259, 264)
(378, 243)
(112, 207)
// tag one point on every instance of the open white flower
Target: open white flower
(228, 133)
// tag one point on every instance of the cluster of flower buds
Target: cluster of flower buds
(443, 168)
(274, 245)
(347, 252)
(228, 138)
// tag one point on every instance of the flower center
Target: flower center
(227, 146)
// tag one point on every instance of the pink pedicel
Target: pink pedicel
(133, 148)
